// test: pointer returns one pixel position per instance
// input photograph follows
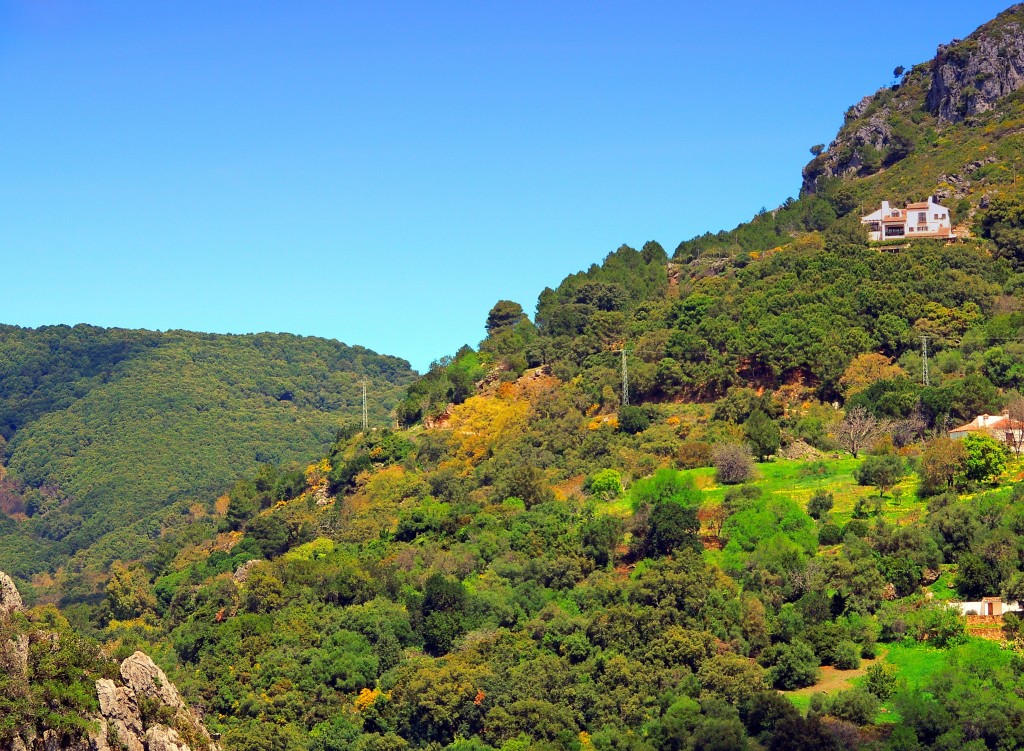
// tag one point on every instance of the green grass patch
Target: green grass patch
(801, 701)
(940, 588)
(917, 662)
(798, 480)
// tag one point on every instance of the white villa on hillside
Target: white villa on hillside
(987, 606)
(996, 426)
(918, 221)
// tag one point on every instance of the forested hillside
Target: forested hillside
(706, 501)
(103, 426)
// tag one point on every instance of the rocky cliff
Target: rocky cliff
(967, 78)
(137, 709)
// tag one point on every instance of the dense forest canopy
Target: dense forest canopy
(102, 426)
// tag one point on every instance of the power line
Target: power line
(924, 360)
(365, 421)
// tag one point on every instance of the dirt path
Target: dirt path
(833, 680)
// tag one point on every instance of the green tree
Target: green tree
(791, 666)
(674, 527)
(985, 458)
(504, 314)
(763, 434)
(633, 419)
(128, 592)
(883, 471)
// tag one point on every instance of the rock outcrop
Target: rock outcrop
(10, 599)
(142, 712)
(966, 78)
(121, 712)
(170, 726)
(970, 76)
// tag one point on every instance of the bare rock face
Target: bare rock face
(146, 682)
(241, 575)
(10, 600)
(145, 678)
(162, 738)
(121, 712)
(966, 78)
(969, 77)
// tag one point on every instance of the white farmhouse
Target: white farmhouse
(917, 221)
(987, 606)
(1000, 427)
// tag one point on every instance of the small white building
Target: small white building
(987, 606)
(995, 426)
(917, 221)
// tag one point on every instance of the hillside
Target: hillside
(748, 542)
(951, 127)
(59, 690)
(104, 426)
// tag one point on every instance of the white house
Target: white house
(999, 427)
(987, 606)
(917, 221)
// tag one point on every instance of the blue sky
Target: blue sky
(382, 173)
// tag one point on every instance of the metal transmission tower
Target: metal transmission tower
(924, 360)
(625, 376)
(365, 421)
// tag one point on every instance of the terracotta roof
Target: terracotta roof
(998, 423)
(922, 205)
(897, 219)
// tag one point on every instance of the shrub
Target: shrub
(856, 527)
(820, 504)
(857, 705)
(694, 454)
(605, 484)
(881, 680)
(634, 420)
(846, 656)
(791, 666)
(733, 463)
(830, 534)
(664, 485)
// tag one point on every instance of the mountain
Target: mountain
(950, 127)
(651, 518)
(104, 426)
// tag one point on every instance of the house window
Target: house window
(922, 217)
(911, 229)
(895, 231)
